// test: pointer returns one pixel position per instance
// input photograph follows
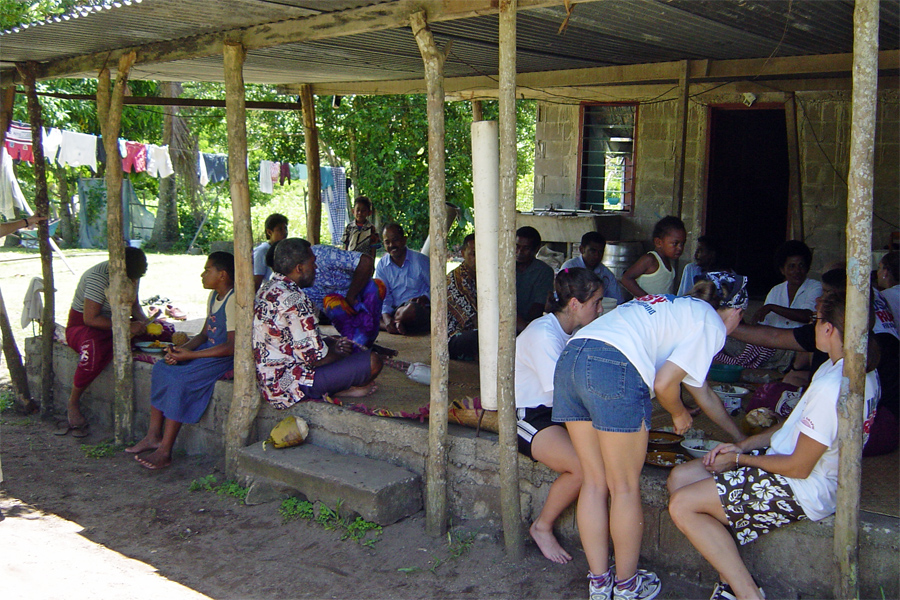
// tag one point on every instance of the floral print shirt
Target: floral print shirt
(286, 341)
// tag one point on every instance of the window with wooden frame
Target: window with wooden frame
(606, 175)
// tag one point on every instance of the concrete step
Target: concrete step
(378, 491)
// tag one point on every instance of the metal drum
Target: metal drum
(621, 255)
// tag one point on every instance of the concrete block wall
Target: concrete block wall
(556, 156)
(824, 145)
(790, 563)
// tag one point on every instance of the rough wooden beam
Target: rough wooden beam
(860, 186)
(10, 350)
(513, 533)
(245, 402)
(314, 175)
(795, 183)
(681, 121)
(122, 291)
(188, 102)
(568, 82)
(379, 17)
(436, 469)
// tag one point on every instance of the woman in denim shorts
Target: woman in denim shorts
(782, 475)
(603, 385)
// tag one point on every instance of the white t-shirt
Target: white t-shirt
(230, 320)
(892, 295)
(259, 261)
(885, 317)
(816, 417)
(537, 350)
(652, 330)
(804, 299)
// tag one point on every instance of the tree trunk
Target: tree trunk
(506, 401)
(67, 229)
(436, 468)
(245, 402)
(42, 206)
(165, 228)
(122, 291)
(314, 177)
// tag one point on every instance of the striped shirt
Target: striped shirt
(93, 285)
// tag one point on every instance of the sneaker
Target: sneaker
(601, 588)
(644, 585)
(723, 591)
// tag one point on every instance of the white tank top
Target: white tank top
(660, 282)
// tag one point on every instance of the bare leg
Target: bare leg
(553, 447)
(154, 435)
(698, 513)
(162, 456)
(623, 456)
(357, 392)
(686, 474)
(592, 513)
(76, 419)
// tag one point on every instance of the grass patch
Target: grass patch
(358, 529)
(101, 450)
(7, 399)
(209, 483)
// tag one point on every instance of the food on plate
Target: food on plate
(758, 420)
(698, 448)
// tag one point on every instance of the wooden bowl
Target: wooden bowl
(664, 440)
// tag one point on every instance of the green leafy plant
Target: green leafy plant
(101, 450)
(457, 546)
(330, 519)
(292, 509)
(209, 483)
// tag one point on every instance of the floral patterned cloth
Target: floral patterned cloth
(756, 502)
(286, 341)
(334, 272)
(462, 301)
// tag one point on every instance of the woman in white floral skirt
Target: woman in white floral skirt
(784, 474)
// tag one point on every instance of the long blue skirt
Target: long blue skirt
(182, 392)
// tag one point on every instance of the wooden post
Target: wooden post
(42, 207)
(477, 111)
(436, 469)
(513, 534)
(122, 291)
(860, 184)
(10, 349)
(314, 176)
(245, 402)
(681, 120)
(795, 188)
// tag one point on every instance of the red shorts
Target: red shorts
(94, 346)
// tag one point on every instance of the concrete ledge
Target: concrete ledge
(789, 563)
(377, 491)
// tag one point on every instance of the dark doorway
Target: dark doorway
(747, 200)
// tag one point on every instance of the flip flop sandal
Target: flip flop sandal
(175, 313)
(81, 431)
(62, 428)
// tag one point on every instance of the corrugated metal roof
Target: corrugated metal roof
(609, 32)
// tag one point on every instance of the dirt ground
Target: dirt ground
(78, 527)
(217, 546)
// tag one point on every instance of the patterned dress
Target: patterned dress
(286, 341)
(462, 301)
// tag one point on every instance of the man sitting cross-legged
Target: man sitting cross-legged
(407, 276)
(293, 360)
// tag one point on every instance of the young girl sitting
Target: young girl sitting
(575, 302)
(654, 272)
(717, 499)
(707, 257)
(182, 383)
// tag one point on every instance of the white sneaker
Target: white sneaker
(645, 585)
(604, 590)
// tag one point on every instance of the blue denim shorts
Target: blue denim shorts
(595, 382)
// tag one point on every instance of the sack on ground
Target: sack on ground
(290, 431)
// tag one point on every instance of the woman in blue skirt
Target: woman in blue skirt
(183, 382)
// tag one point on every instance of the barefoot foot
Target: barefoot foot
(144, 445)
(155, 461)
(358, 392)
(548, 545)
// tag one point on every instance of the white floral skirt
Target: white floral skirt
(756, 501)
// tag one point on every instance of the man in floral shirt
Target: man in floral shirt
(293, 360)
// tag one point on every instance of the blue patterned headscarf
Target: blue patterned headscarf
(731, 288)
